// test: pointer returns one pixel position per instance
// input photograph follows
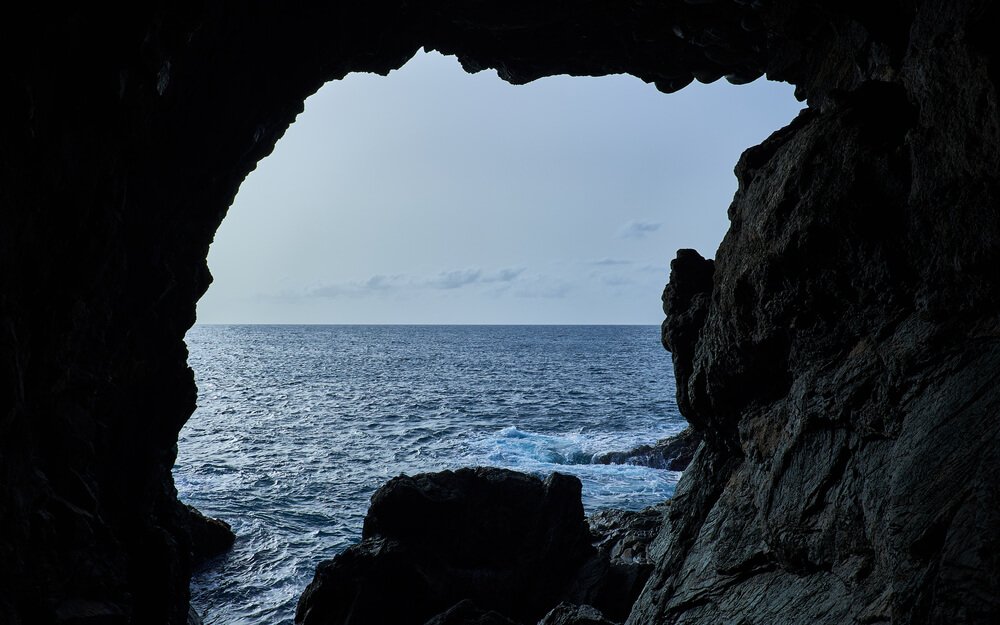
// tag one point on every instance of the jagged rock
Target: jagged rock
(209, 537)
(508, 541)
(673, 453)
(843, 370)
(613, 578)
(569, 614)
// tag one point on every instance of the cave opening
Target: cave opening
(434, 208)
(840, 355)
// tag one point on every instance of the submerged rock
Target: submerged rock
(673, 453)
(508, 541)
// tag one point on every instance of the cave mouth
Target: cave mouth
(131, 131)
(287, 445)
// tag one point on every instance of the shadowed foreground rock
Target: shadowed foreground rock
(480, 546)
(613, 578)
(507, 541)
(466, 612)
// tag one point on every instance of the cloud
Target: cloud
(637, 229)
(453, 279)
(443, 280)
(504, 275)
(380, 282)
(610, 262)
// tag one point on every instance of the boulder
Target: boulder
(508, 541)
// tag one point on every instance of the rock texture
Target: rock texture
(568, 614)
(613, 578)
(838, 356)
(673, 453)
(842, 358)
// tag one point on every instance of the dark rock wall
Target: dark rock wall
(841, 365)
(844, 366)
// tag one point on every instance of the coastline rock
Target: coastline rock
(507, 541)
(673, 453)
(843, 367)
(613, 578)
(209, 537)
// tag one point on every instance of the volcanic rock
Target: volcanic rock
(673, 453)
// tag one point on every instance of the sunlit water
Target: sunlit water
(298, 425)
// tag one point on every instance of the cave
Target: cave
(839, 356)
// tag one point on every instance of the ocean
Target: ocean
(297, 426)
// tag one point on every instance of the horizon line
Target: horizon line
(199, 323)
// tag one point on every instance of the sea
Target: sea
(297, 426)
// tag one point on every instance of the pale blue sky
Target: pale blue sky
(436, 196)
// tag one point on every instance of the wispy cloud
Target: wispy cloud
(443, 280)
(504, 275)
(637, 229)
(610, 262)
(453, 279)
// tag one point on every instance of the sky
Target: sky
(435, 196)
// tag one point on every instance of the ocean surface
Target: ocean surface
(297, 426)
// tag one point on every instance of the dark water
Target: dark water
(298, 425)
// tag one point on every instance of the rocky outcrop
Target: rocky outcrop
(507, 541)
(483, 545)
(616, 574)
(673, 453)
(839, 362)
(209, 537)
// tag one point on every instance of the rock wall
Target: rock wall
(842, 360)
(839, 361)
